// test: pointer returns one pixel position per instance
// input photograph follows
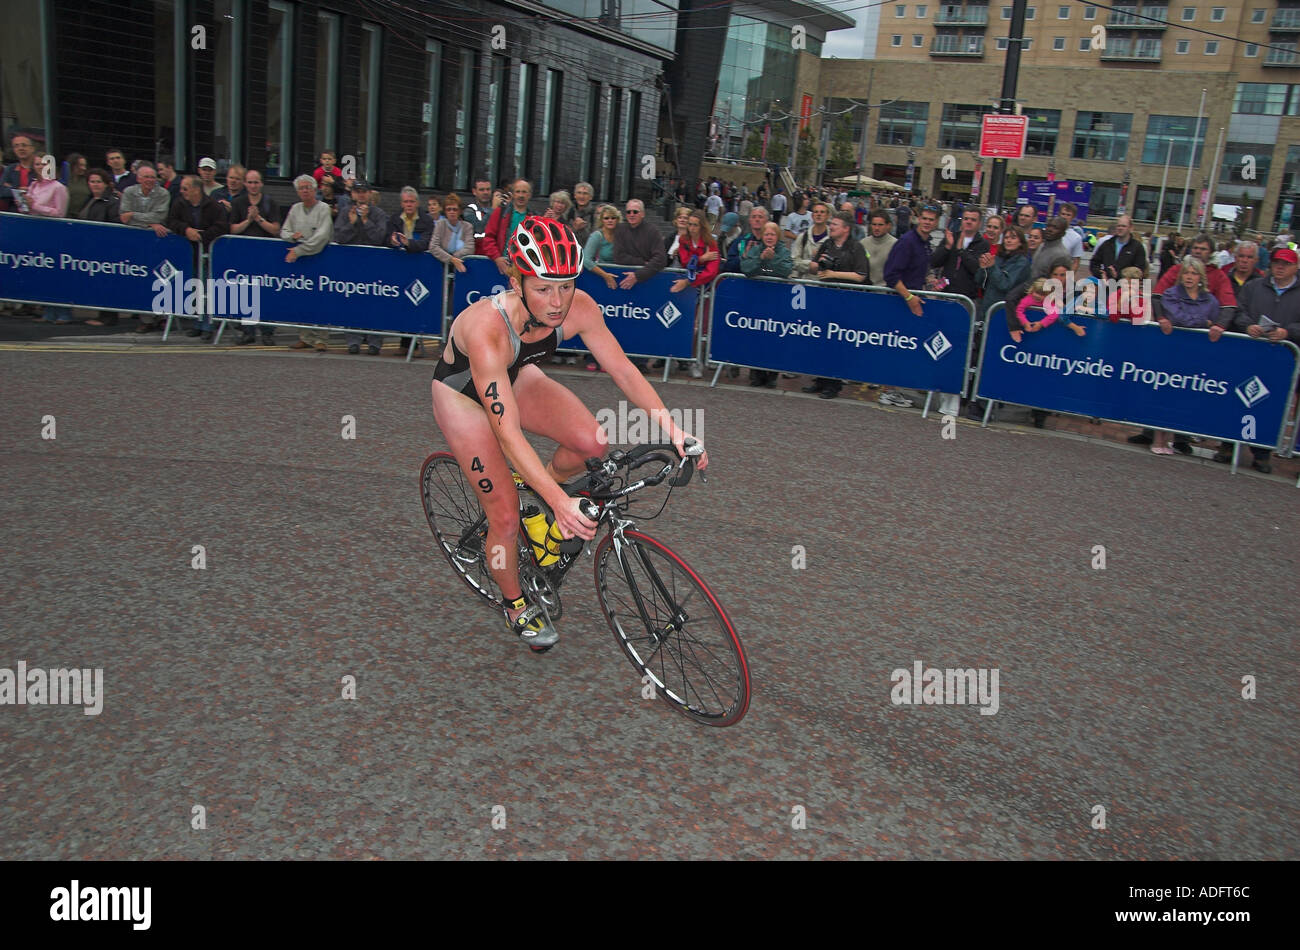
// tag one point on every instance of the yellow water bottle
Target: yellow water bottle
(544, 536)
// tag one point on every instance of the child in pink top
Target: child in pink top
(1039, 295)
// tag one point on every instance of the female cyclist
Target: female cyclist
(488, 389)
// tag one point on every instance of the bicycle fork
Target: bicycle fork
(676, 622)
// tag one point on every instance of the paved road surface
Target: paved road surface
(222, 687)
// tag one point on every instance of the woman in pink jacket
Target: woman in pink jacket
(48, 198)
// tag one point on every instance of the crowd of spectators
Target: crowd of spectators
(899, 243)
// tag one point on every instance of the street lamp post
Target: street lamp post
(1123, 194)
(911, 168)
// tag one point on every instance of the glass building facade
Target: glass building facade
(756, 81)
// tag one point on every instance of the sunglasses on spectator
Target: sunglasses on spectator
(631, 211)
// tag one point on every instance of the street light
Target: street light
(1123, 194)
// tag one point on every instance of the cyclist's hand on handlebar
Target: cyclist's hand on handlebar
(679, 443)
(573, 524)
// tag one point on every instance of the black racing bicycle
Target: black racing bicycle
(663, 615)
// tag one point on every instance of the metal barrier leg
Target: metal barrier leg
(410, 350)
(716, 373)
(167, 327)
(988, 413)
(925, 412)
(1236, 450)
(216, 337)
(668, 365)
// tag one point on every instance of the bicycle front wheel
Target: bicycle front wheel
(458, 523)
(673, 629)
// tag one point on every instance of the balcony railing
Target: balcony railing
(1128, 18)
(962, 16)
(1123, 52)
(1283, 57)
(1285, 21)
(957, 46)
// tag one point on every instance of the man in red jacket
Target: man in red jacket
(503, 222)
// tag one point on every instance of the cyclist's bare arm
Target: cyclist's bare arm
(489, 356)
(586, 319)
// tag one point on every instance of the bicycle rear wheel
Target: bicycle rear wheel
(673, 629)
(458, 523)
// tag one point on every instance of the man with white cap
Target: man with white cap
(208, 175)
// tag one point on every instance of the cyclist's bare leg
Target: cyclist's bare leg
(465, 426)
(549, 409)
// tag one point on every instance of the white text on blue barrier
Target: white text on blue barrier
(1129, 372)
(834, 331)
(68, 262)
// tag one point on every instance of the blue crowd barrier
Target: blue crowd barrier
(1237, 389)
(648, 320)
(87, 263)
(344, 287)
(840, 332)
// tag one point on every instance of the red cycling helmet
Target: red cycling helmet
(545, 248)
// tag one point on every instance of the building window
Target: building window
(1176, 204)
(494, 126)
(279, 90)
(959, 128)
(1029, 41)
(1260, 98)
(1182, 46)
(429, 112)
(1211, 47)
(1180, 130)
(1234, 155)
(1251, 50)
(23, 96)
(614, 112)
(918, 39)
(524, 122)
(227, 81)
(1102, 136)
(1217, 14)
(1030, 12)
(1063, 13)
(368, 100)
(920, 11)
(550, 123)
(168, 124)
(1085, 44)
(1090, 13)
(589, 129)
(632, 160)
(465, 118)
(1058, 43)
(1006, 13)
(1189, 14)
(1257, 16)
(327, 82)
(896, 39)
(1044, 129)
(1002, 42)
(900, 10)
(902, 123)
